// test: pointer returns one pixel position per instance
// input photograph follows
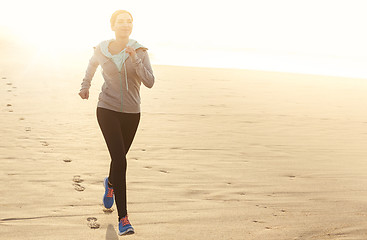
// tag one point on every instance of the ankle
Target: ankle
(122, 217)
(109, 184)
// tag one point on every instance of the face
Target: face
(123, 25)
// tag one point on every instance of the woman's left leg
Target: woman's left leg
(128, 125)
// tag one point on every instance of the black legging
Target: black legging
(118, 130)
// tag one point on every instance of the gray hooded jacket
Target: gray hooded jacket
(121, 89)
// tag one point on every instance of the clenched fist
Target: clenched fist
(84, 93)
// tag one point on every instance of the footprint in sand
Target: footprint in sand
(107, 210)
(92, 223)
(9, 105)
(44, 143)
(160, 170)
(77, 179)
(77, 186)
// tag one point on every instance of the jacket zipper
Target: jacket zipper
(121, 88)
(127, 85)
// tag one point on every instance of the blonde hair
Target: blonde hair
(116, 13)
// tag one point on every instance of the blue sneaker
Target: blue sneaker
(108, 197)
(125, 226)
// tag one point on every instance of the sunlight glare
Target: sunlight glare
(174, 33)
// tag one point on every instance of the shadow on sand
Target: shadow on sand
(111, 233)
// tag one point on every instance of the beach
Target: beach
(219, 154)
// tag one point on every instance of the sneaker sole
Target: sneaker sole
(127, 232)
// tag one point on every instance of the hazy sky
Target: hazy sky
(318, 27)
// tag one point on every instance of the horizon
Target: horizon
(316, 37)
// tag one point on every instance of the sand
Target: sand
(219, 154)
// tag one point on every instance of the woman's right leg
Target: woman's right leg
(110, 126)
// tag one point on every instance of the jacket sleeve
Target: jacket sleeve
(91, 69)
(144, 69)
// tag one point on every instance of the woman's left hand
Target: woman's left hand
(131, 51)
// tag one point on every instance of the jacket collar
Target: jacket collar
(132, 43)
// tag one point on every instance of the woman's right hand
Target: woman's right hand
(84, 93)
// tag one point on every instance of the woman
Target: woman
(125, 64)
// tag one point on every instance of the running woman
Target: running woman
(125, 65)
